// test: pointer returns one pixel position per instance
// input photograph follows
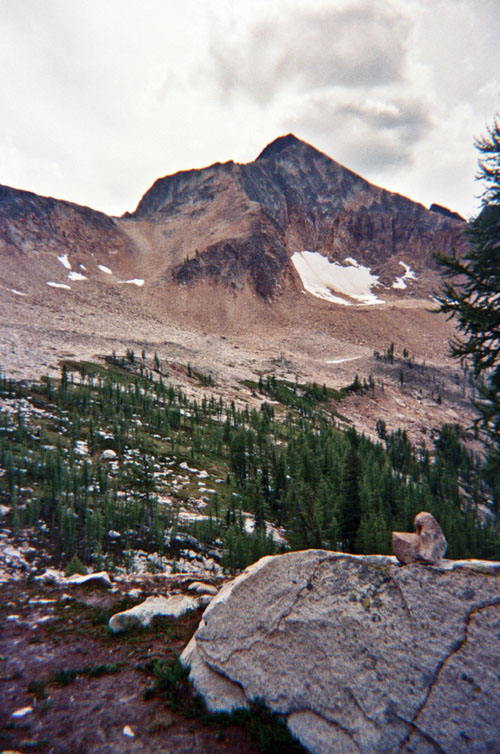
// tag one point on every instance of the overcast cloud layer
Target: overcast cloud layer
(98, 99)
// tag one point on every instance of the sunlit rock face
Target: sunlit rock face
(358, 653)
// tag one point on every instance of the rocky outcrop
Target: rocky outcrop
(89, 579)
(141, 615)
(30, 224)
(259, 259)
(359, 654)
(446, 212)
(199, 587)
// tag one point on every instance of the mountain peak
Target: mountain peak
(278, 145)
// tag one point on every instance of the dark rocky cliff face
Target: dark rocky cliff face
(258, 258)
(446, 212)
(31, 223)
(297, 198)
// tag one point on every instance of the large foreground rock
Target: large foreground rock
(359, 654)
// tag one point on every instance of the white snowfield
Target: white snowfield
(65, 261)
(341, 361)
(76, 276)
(105, 269)
(409, 275)
(135, 281)
(320, 277)
(58, 285)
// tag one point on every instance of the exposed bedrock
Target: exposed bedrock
(358, 653)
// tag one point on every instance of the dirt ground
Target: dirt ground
(83, 685)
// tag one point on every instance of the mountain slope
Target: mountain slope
(290, 199)
(211, 269)
(34, 224)
(241, 225)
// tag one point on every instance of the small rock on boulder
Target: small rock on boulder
(428, 545)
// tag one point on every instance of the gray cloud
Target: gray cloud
(368, 137)
(311, 50)
(99, 99)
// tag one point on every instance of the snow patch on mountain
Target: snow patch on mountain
(341, 361)
(320, 277)
(409, 275)
(76, 276)
(105, 269)
(58, 285)
(135, 281)
(65, 261)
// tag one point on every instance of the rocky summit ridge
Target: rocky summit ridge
(290, 199)
(240, 224)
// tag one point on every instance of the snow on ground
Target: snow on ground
(341, 361)
(65, 261)
(105, 269)
(58, 285)
(409, 275)
(18, 293)
(135, 281)
(76, 276)
(320, 277)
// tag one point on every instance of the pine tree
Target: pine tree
(471, 292)
(238, 457)
(350, 502)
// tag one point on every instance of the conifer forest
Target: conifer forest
(114, 458)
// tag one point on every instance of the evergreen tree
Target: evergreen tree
(238, 456)
(350, 503)
(471, 292)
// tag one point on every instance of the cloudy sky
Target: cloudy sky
(98, 98)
